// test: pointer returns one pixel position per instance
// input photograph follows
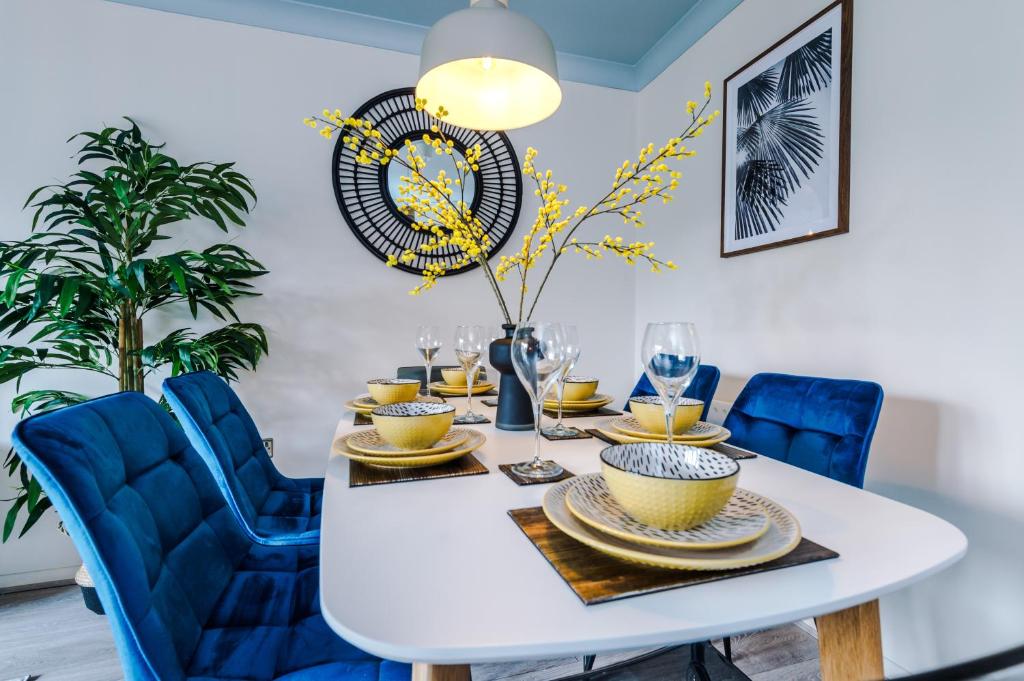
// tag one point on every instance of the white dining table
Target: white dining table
(436, 573)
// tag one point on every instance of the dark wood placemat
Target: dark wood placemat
(362, 420)
(360, 475)
(577, 435)
(596, 577)
(490, 403)
(478, 423)
(506, 468)
(603, 411)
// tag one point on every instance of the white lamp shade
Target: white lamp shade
(490, 67)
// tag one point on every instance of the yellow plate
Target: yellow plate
(629, 425)
(475, 441)
(741, 521)
(364, 404)
(456, 391)
(782, 536)
(351, 405)
(625, 439)
(586, 405)
(371, 442)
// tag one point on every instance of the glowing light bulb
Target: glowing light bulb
(487, 63)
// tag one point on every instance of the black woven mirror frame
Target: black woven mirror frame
(371, 212)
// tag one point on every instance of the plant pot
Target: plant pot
(515, 409)
(89, 595)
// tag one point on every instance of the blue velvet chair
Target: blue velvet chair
(702, 387)
(273, 508)
(824, 425)
(190, 596)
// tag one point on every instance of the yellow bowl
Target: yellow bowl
(392, 390)
(579, 388)
(456, 376)
(674, 487)
(413, 425)
(650, 413)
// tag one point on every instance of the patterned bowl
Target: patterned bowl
(392, 390)
(649, 411)
(674, 487)
(579, 388)
(456, 376)
(413, 425)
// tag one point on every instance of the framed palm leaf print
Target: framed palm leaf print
(786, 138)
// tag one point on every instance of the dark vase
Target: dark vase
(515, 409)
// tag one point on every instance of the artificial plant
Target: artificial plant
(73, 295)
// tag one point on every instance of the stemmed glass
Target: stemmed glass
(572, 355)
(470, 342)
(670, 354)
(428, 342)
(538, 353)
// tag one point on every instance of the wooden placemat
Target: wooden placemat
(577, 435)
(360, 475)
(362, 420)
(596, 577)
(603, 411)
(506, 468)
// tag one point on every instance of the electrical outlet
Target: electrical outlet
(268, 444)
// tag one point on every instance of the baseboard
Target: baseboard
(37, 579)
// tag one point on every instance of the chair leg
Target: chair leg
(727, 644)
(588, 662)
(696, 670)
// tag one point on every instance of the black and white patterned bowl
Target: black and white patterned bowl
(650, 412)
(669, 486)
(413, 425)
(579, 388)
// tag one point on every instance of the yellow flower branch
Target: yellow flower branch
(450, 224)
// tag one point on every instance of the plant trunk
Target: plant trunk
(129, 347)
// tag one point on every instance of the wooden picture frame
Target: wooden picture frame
(786, 139)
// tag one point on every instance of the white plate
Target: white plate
(782, 537)
(742, 520)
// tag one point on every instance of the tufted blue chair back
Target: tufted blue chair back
(824, 425)
(112, 467)
(225, 435)
(702, 387)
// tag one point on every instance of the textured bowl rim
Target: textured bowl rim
(442, 408)
(581, 379)
(392, 381)
(656, 399)
(699, 450)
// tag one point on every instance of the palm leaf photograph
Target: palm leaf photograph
(785, 174)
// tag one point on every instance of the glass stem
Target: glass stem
(538, 406)
(469, 389)
(426, 381)
(670, 412)
(561, 391)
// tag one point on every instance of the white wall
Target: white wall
(921, 296)
(217, 91)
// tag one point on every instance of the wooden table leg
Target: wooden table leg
(422, 671)
(850, 644)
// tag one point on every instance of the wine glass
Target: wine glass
(470, 342)
(538, 353)
(670, 354)
(572, 355)
(428, 342)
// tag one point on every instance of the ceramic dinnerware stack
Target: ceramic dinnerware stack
(671, 506)
(382, 391)
(578, 396)
(646, 423)
(456, 383)
(411, 434)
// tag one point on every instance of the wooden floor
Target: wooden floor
(50, 635)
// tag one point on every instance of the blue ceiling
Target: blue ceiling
(615, 43)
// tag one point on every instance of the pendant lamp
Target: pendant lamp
(490, 67)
